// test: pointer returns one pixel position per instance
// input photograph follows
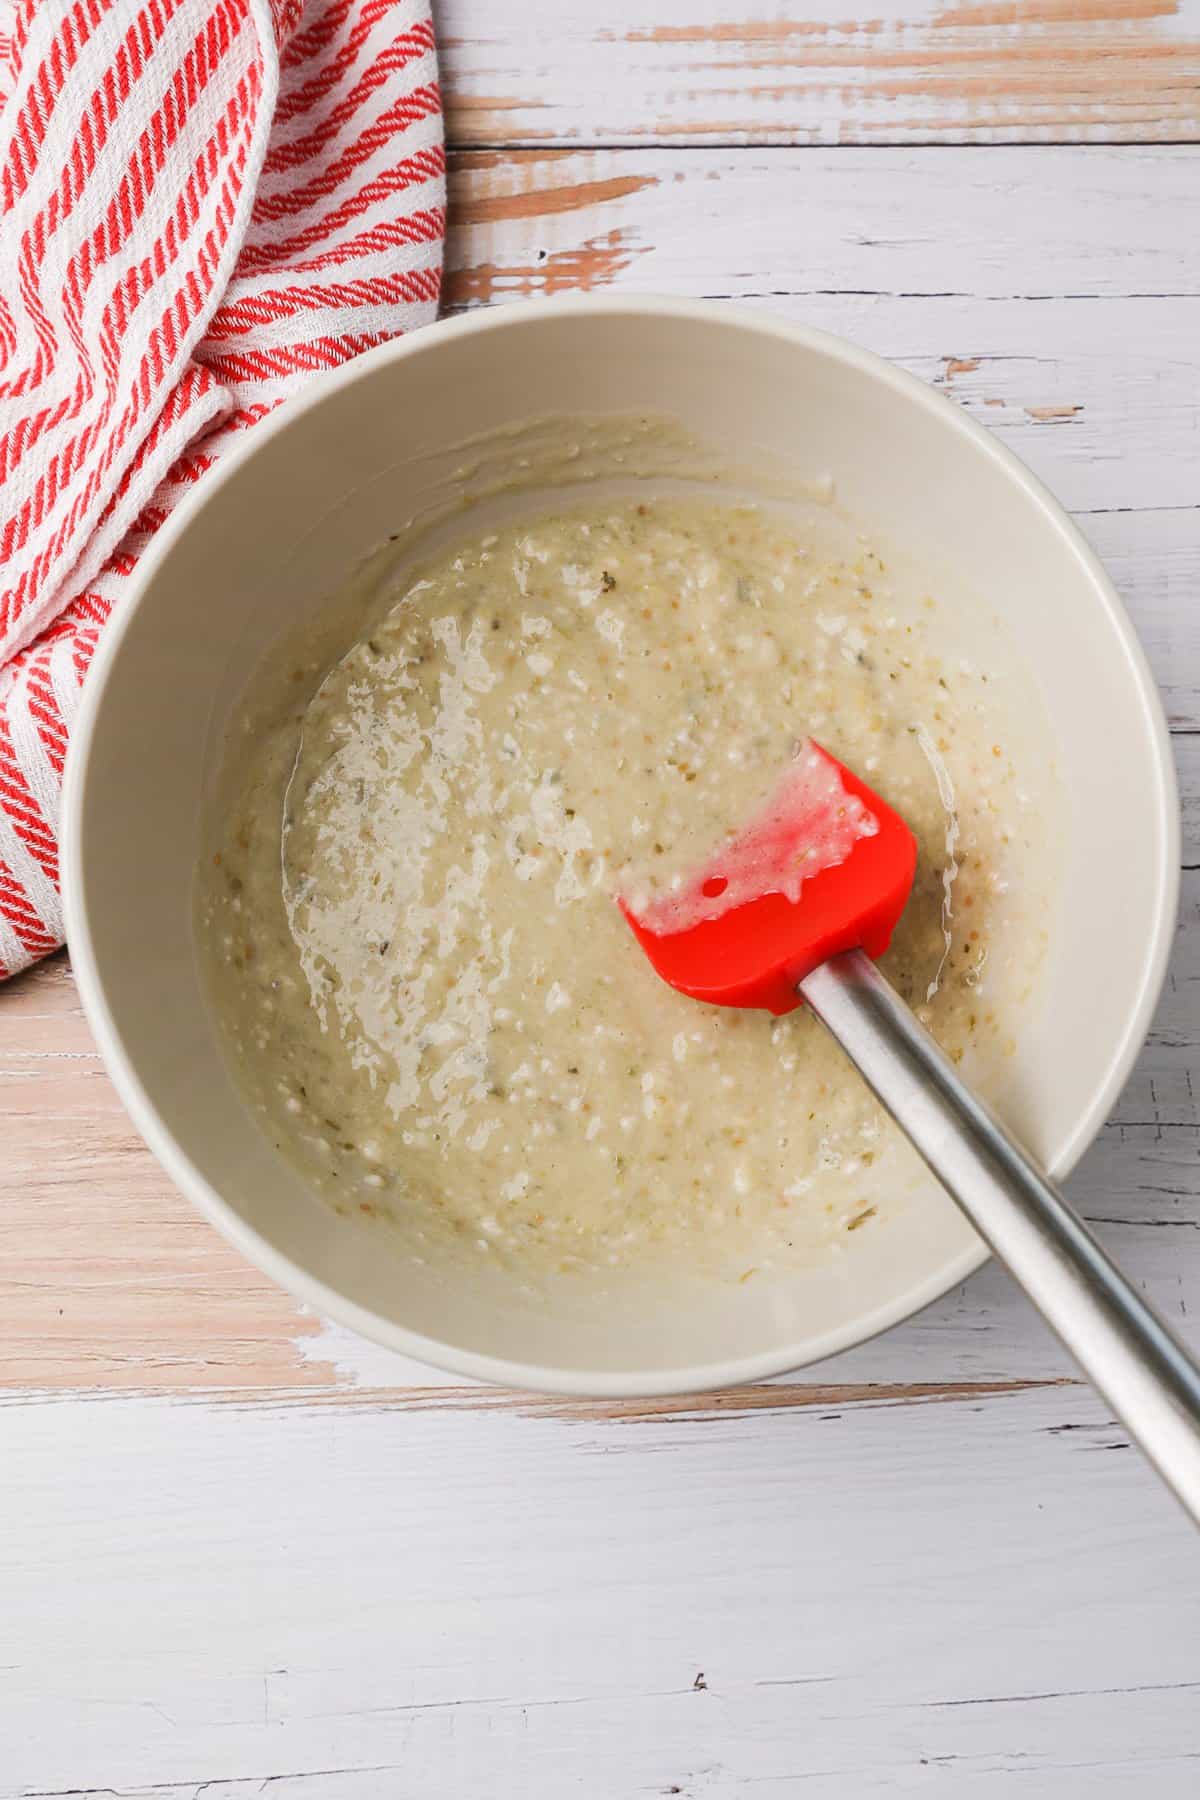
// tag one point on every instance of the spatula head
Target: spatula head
(826, 867)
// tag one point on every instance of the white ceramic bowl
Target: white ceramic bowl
(269, 534)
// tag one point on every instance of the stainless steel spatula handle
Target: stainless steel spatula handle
(1144, 1373)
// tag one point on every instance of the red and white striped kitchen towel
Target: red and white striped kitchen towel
(204, 202)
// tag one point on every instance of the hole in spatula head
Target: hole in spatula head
(750, 937)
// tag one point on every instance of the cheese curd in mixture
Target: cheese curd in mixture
(408, 903)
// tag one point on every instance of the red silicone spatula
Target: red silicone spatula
(792, 909)
(825, 867)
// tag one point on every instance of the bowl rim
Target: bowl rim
(327, 1301)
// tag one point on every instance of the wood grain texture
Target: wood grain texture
(359, 1604)
(243, 1551)
(767, 71)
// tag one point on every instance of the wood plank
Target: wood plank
(335, 1603)
(921, 71)
(1018, 223)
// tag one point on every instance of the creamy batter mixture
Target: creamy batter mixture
(428, 991)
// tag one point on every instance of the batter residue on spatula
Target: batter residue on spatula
(810, 823)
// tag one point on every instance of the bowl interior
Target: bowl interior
(266, 543)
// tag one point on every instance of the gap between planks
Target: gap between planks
(829, 1398)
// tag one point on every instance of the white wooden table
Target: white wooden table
(241, 1553)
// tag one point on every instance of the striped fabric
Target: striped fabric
(204, 201)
